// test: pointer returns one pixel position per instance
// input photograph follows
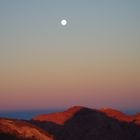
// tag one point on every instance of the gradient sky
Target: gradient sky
(93, 61)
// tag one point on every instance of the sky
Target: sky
(93, 61)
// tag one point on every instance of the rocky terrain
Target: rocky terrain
(80, 123)
(76, 123)
(59, 117)
(11, 129)
(121, 116)
(62, 117)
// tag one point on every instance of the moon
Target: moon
(63, 22)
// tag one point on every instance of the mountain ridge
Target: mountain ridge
(86, 124)
(62, 117)
(75, 123)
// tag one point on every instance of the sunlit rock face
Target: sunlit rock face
(121, 116)
(81, 123)
(21, 130)
(76, 123)
(62, 117)
(59, 117)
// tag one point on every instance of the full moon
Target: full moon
(63, 22)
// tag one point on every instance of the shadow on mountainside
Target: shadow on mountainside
(5, 136)
(89, 124)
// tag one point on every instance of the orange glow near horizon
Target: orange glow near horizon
(93, 61)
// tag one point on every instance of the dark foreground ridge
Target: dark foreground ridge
(80, 123)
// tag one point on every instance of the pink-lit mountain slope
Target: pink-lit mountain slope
(121, 116)
(59, 117)
(21, 130)
(62, 117)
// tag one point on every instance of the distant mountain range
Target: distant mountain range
(76, 123)
(61, 117)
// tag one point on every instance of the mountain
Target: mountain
(62, 117)
(89, 124)
(137, 118)
(76, 123)
(59, 117)
(117, 114)
(11, 129)
(121, 116)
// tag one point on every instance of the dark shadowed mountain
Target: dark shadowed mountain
(82, 123)
(62, 117)
(76, 123)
